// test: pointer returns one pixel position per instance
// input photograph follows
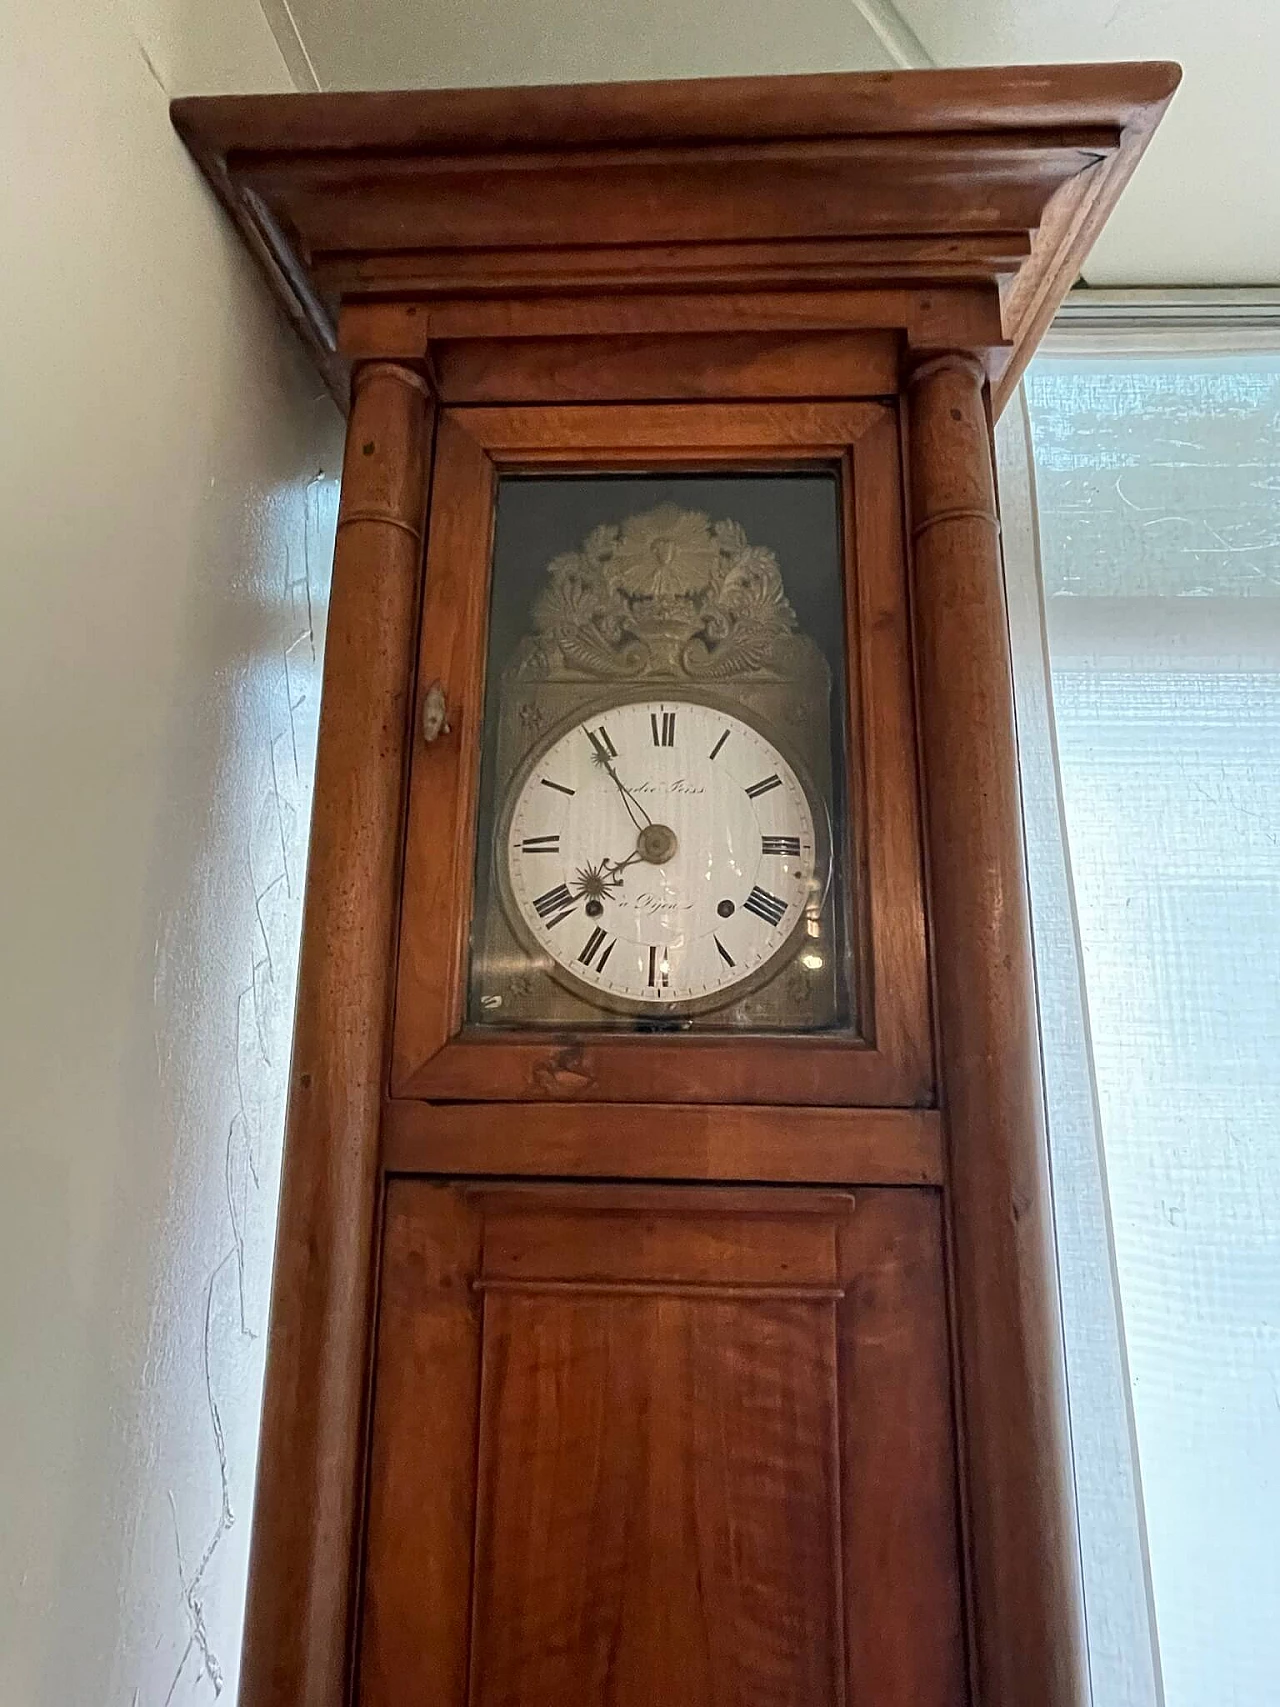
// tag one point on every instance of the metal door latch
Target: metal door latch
(435, 713)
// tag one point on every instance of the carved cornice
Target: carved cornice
(928, 181)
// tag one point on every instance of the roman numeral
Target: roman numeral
(765, 906)
(658, 969)
(780, 844)
(555, 905)
(724, 952)
(664, 735)
(605, 749)
(558, 786)
(595, 942)
(759, 788)
(720, 743)
(540, 844)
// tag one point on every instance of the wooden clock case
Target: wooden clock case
(692, 1370)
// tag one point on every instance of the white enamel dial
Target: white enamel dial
(662, 853)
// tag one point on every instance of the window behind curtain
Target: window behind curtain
(1159, 496)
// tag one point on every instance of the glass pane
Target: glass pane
(662, 821)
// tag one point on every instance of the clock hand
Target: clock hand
(593, 882)
(656, 844)
(628, 799)
(618, 866)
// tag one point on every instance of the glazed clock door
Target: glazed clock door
(672, 805)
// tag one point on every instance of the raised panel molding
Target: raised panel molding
(656, 1421)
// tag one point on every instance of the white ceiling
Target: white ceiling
(1203, 209)
(371, 44)
(1204, 206)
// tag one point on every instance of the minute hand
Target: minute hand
(628, 799)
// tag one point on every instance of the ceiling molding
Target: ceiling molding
(293, 50)
(895, 35)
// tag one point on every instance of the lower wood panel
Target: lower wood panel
(658, 1479)
(677, 1445)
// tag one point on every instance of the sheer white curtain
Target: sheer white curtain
(1143, 561)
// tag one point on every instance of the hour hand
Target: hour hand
(618, 866)
(592, 883)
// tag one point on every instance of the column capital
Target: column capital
(949, 444)
(947, 361)
(401, 372)
(384, 470)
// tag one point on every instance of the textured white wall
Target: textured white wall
(166, 488)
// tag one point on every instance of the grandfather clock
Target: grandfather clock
(664, 1304)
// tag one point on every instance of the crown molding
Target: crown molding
(293, 49)
(894, 34)
(786, 193)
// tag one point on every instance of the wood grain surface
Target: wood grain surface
(661, 1415)
(938, 179)
(965, 313)
(662, 368)
(905, 1628)
(853, 1146)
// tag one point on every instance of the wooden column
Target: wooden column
(1026, 1597)
(308, 1492)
